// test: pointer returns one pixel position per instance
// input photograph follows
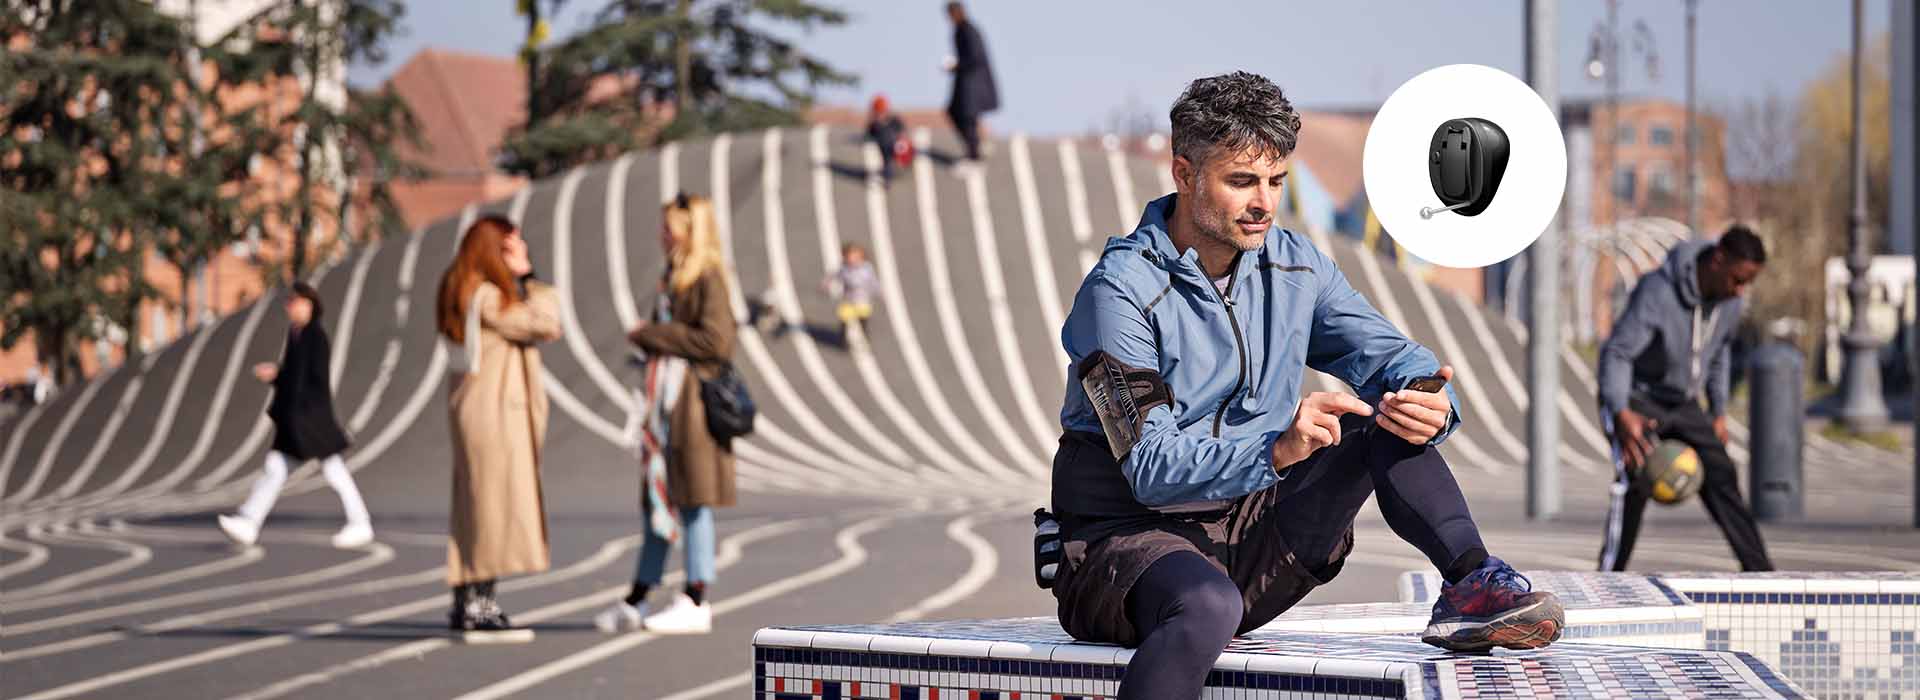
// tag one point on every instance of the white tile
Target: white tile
(1350, 668)
(1268, 663)
(1843, 585)
(776, 637)
(1021, 651)
(1085, 653)
(842, 641)
(1232, 661)
(971, 648)
(889, 644)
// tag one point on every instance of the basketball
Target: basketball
(1672, 472)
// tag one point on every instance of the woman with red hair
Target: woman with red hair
(492, 313)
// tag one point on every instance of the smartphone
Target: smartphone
(1430, 384)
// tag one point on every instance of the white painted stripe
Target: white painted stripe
(947, 313)
(1389, 307)
(575, 336)
(607, 554)
(375, 555)
(1052, 312)
(60, 433)
(852, 555)
(136, 556)
(616, 235)
(1078, 218)
(863, 361)
(1503, 367)
(34, 553)
(1128, 205)
(931, 394)
(102, 440)
(984, 561)
(728, 554)
(787, 302)
(1045, 432)
(218, 411)
(96, 594)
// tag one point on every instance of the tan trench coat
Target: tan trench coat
(498, 410)
(699, 468)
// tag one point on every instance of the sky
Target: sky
(1067, 66)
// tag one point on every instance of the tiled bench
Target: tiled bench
(1836, 634)
(1027, 658)
(1332, 651)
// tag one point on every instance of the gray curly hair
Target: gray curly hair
(1236, 112)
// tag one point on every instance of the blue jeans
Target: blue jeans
(697, 531)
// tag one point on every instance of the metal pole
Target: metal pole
(1863, 409)
(1906, 173)
(1543, 338)
(1693, 140)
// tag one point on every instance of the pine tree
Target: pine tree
(95, 122)
(339, 138)
(710, 60)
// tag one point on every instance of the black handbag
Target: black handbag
(730, 408)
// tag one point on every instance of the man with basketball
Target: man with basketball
(1670, 346)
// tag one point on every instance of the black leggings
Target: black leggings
(1187, 610)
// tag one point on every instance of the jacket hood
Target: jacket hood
(1682, 268)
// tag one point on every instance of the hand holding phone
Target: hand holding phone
(1420, 411)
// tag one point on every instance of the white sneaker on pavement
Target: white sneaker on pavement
(621, 617)
(353, 536)
(682, 617)
(242, 531)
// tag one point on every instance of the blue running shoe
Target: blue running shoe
(1494, 606)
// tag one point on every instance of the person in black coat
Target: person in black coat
(974, 92)
(304, 426)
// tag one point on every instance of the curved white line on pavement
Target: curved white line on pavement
(986, 244)
(1390, 308)
(847, 456)
(34, 553)
(221, 396)
(616, 235)
(96, 594)
(984, 562)
(787, 301)
(375, 555)
(607, 554)
(932, 394)
(21, 429)
(390, 358)
(728, 554)
(947, 314)
(101, 440)
(1078, 217)
(1051, 312)
(576, 337)
(136, 556)
(168, 411)
(852, 555)
(1123, 197)
(60, 433)
(1469, 381)
(863, 361)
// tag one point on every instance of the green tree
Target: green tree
(341, 143)
(601, 91)
(93, 130)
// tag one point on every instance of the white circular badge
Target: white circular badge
(1399, 186)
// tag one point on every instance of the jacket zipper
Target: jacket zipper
(1239, 344)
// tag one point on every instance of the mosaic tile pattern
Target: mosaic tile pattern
(1576, 589)
(1027, 657)
(1847, 635)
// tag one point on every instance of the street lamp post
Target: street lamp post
(1862, 407)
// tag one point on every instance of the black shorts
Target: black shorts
(1103, 558)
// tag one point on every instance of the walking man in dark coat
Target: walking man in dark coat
(974, 92)
(303, 427)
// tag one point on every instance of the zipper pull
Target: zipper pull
(1227, 299)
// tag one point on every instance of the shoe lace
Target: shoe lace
(1507, 576)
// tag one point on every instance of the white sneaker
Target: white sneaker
(621, 617)
(353, 536)
(241, 530)
(682, 617)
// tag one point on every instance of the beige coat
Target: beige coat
(498, 409)
(699, 468)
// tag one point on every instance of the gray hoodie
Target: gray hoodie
(1668, 344)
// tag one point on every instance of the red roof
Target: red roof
(465, 103)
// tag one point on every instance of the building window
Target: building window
(1624, 135)
(1661, 182)
(1624, 182)
(1661, 136)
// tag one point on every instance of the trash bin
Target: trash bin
(1776, 433)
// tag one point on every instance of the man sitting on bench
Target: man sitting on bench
(1201, 492)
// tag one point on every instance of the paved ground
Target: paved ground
(885, 484)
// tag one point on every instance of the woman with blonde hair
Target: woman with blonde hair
(492, 312)
(688, 341)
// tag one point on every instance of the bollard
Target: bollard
(1776, 433)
